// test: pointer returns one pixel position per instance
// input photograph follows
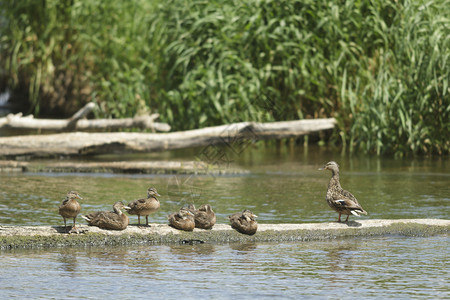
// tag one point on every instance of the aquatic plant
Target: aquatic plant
(380, 67)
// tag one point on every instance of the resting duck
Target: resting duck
(183, 220)
(339, 199)
(244, 222)
(70, 208)
(115, 220)
(204, 216)
(145, 206)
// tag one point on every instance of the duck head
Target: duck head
(151, 192)
(73, 195)
(332, 166)
(205, 207)
(248, 215)
(119, 205)
(185, 213)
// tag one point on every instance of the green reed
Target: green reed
(380, 67)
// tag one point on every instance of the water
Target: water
(399, 267)
(283, 186)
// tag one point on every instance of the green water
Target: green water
(282, 186)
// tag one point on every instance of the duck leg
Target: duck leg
(346, 220)
(65, 225)
(339, 219)
(74, 228)
(146, 220)
(139, 220)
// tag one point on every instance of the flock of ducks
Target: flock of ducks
(188, 218)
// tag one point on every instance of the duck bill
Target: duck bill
(126, 207)
(157, 194)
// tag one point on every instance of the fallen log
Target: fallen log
(76, 123)
(55, 236)
(123, 167)
(236, 136)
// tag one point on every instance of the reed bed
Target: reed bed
(380, 67)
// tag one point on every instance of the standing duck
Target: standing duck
(339, 199)
(204, 216)
(115, 220)
(183, 220)
(145, 206)
(244, 222)
(70, 208)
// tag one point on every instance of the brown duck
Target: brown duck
(115, 220)
(145, 206)
(70, 208)
(204, 216)
(183, 220)
(244, 222)
(339, 199)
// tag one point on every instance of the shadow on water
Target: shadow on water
(244, 248)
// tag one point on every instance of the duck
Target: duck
(70, 208)
(204, 216)
(244, 222)
(183, 219)
(145, 206)
(342, 201)
(115, 220)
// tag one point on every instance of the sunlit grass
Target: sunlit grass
(380, 67)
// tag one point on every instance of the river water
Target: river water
(282, 186)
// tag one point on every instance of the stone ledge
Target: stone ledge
(54, 236)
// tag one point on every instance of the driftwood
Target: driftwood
(237, 136)
(76, 123)
(140, 167)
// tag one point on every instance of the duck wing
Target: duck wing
(106, 220)
(178, 222)
(346, 201)
(246, 226)
(204, 219)
(64, 203)
(137, 205)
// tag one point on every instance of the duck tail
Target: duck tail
(358, 212)
(355, 213)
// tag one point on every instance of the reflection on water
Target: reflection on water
(283, 187)
(374, 268)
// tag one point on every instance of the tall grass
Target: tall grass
(380, 67)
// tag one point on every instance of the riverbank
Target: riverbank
(53, 236)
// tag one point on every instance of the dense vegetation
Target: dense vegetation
(380, 67)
